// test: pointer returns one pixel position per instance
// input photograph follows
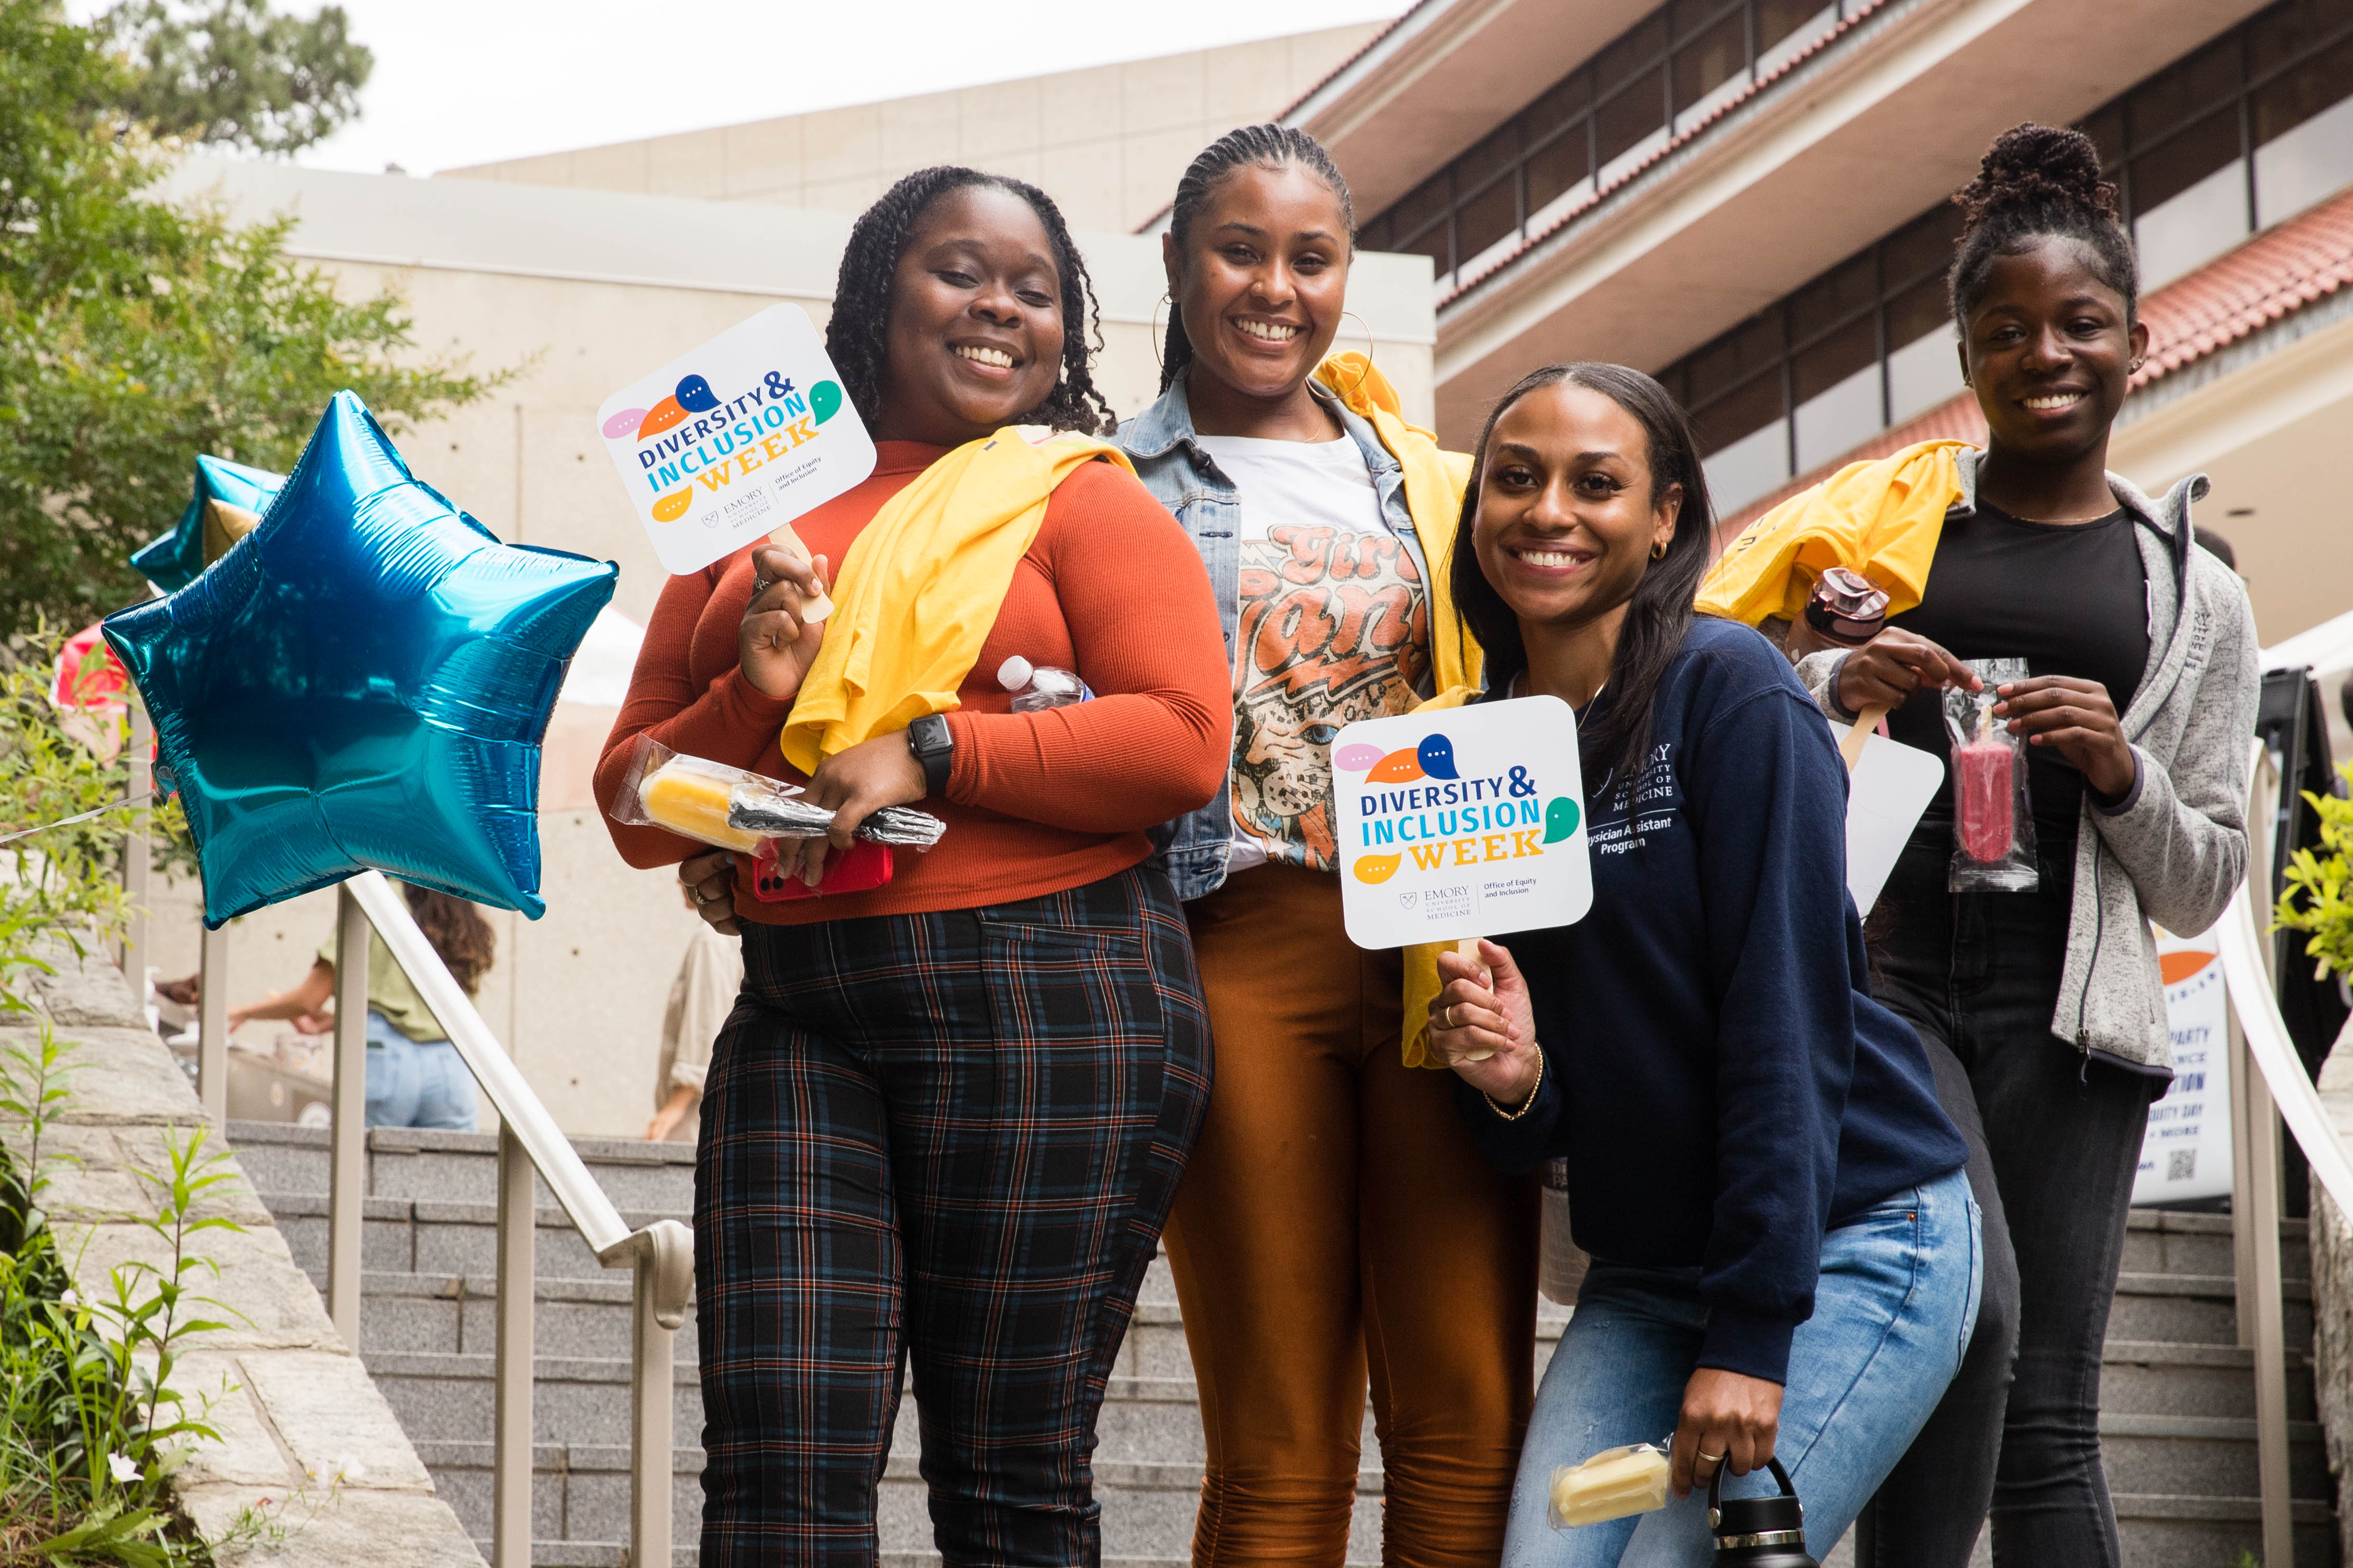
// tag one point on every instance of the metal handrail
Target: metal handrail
(2268, 1086)
(660, 1255)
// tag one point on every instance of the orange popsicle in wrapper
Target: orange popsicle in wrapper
(690, 796)
(1613, 1484)
(819, 609)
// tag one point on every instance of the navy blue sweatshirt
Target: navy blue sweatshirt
(1715, 1071)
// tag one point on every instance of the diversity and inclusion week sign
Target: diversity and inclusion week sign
(1460, 822)
(2185, 1153)
(738, 438)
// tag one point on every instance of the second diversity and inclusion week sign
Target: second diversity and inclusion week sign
(1460, 822)
(746, 433)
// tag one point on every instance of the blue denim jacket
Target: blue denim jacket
(1185, 480)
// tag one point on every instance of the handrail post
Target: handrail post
(2255, 1205)
(347, 1135)
(517, 1286)
(212, 1025)
(137, 861)
(651, 1435)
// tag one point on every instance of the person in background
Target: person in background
(701, 996)
(1785, 1252)
(415, 1077)
(1337, 1223)
(944, 1122)
(2043, 1011)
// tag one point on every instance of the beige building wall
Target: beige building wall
(1107, 143)
(581, 292)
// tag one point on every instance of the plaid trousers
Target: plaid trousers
(950, 1138)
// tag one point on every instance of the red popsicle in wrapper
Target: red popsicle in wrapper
(1986, 787)
(1993, 830)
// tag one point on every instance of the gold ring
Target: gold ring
(1449, 1017)
(1711, 1458)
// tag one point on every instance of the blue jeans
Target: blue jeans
(1893, 1315)
(416, 1083)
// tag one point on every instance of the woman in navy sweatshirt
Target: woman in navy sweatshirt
(1785, 1250)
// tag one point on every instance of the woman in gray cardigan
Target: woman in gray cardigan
(2042, 1010)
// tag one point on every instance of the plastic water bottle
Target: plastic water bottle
(1038, 687)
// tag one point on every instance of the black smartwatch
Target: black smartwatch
(933, 747)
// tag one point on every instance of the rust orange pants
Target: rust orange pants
(1336, 1224)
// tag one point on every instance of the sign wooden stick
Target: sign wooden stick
(1468, 947)
(821, 607)
(1865, 722)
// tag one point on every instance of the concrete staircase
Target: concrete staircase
(2178, 1431)
(2177, 1401)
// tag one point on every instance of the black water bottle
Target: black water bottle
(1758, 1531)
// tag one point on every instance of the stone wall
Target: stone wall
(289, 1397)
(2332, 1295)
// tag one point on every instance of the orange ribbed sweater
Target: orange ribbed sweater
(1035, 802)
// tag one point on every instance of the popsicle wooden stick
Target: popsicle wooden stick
(1468, 947)
(785, 539)
(1865, 722)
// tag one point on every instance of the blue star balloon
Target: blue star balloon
(174, 561)
(363, 682)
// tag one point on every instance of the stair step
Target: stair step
(2196, 1309)
(2205, 1455)
(2145, 1377)
(2165, 1241)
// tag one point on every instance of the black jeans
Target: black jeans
(2054, 1139)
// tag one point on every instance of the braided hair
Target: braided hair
(1257, 146)
(858, 334)
(2039, 182)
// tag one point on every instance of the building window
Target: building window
(2246, 132)
(1658, 78)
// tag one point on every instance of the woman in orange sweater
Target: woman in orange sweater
(948, 1114)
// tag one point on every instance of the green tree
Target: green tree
(136, 331)
(237, 73)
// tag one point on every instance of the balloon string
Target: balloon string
(84, 816)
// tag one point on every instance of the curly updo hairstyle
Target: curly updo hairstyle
(1259, 147)
(2036, 183)
(858, 334)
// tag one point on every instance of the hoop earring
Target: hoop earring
(1658, 552)
(1370, 346)
(1159, 359)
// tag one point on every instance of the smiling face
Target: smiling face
(1262, 278)
(2048, 352)
(1566, 521)
(975, 335)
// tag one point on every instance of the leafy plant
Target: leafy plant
(2317, 898)
(233, 72)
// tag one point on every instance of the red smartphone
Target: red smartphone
(854, 870)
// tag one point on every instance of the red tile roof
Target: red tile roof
(2273, 275)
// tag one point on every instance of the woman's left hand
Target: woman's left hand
(1486, 1013)
(2076, 719)
(854, 783)
(1727, 1419)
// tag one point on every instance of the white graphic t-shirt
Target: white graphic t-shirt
(1334, 628)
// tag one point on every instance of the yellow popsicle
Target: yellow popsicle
(691, 802)
(1612, 1484)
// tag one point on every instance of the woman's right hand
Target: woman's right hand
(1485, 1012)
(1885, 671)
(709, 879)
(775, 646)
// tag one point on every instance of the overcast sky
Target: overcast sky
(466, 81)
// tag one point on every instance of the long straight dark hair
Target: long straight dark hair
(1616, 734)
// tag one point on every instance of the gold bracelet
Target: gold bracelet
(1529, 1103)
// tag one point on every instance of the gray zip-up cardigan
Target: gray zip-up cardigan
(2175, 849)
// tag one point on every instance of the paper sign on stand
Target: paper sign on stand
(2185, 1154)
(1890, 785)
(723, 447)
(1462, 822)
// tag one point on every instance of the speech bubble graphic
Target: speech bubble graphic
(621, 423)
(1356, 759)
(673, 507)
(1560, 819)
(825, 400)
(664, 416)
(694, 394)
(1377, 868)
(1437, 754)
(1397, 767)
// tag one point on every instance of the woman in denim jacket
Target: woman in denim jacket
(1335, 1220)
